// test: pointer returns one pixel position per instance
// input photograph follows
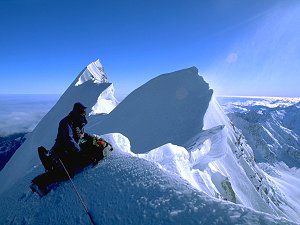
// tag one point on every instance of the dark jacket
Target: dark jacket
(70, 130)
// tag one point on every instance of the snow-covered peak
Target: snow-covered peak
(167, 109)
(94, 71)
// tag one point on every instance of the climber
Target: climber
(73, 150)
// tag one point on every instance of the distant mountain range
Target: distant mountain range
(271, 127)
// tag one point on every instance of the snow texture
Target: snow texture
(124, 189)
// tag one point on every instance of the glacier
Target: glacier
(177, 159)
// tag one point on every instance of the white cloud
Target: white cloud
(19, 122)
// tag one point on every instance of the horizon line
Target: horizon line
(223, 96)
(252, 96)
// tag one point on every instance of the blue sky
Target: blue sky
(241, 47)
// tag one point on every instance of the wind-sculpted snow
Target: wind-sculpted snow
(106, 102)
(95, 72)
(243, 181)
(167, 109)
(123, 189)
(215, 160)
(213, 146)
(178, 160)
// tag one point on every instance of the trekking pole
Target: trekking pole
(79, 196)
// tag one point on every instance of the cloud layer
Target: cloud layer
(21, 113)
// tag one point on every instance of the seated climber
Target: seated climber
(73, 150)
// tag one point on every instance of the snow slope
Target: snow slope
(45, 132)
(124, 189)
(178, 158)
(194, 140)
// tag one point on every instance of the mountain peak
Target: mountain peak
(94, 71)
(169, 108)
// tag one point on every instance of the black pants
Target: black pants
(71, 162)
(45, 180)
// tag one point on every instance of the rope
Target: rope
(79, 196)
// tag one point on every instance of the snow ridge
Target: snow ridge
(159, 112)
(196, 164)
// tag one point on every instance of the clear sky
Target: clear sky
(241, 47)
